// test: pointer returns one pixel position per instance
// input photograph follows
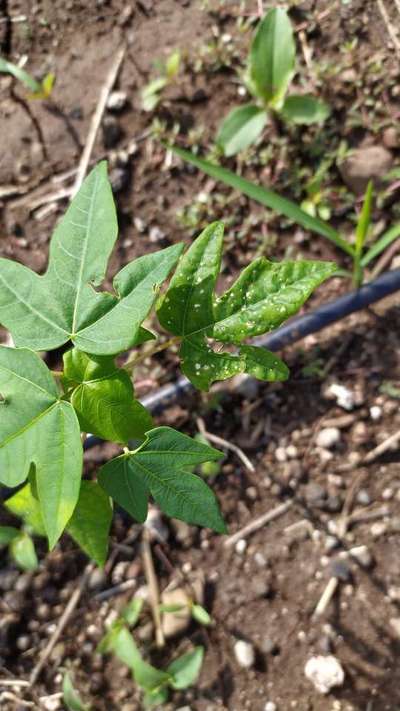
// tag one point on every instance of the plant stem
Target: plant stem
(157, 348)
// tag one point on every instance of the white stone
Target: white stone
(362, 555)
(241, 546)
(280, 454)
(324, 673)
(116, 101)
(270, 706)
(395, 622)
(343, 396)
(244, 653)
(376, 412)
(328, 437)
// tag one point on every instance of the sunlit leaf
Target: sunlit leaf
(241, 128)
(23, 552)
(272, 57)
(186, 669)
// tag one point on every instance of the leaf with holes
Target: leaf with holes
(44, 312)
(103, 398)
(262, 298)
(41, 430)
(161, 466)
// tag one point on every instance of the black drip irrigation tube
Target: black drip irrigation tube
(288, 334)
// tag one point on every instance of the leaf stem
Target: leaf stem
(157, 348)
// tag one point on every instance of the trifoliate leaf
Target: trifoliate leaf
(185, 670)
(37, 428)
(161, 467)
(44, 312)
(103, 398)
(90, 523)
(264, 296)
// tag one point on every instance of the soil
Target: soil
(263, 590)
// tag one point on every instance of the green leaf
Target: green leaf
(155, 698)
(120, 642)
(201, 615)
(132, 610)
(304, 110)
(37, 428)
(23, 552)
(151, 93)
(25, 505)
(241, 128)
(71, 697)
(263, 297)
(186, 669)
(172, 64)
(381, 244)
(161, 467)
(263, 364)
(171, 608)
(45, 312)
(272, 57)
(147, 676)
(20, 74)
(90, 523)
(266, 197)
(7, 534)
(104, 398)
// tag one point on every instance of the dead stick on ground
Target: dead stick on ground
(382, 448)
(258, 523)
(223, 443)
(73, 602)
(389, 26)
(326, 597)
(96, 120)
(153, 586)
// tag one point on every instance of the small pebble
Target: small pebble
(394, 593)
(378, 529)
(363, 497)
(387, 494)
(116, 101)
(241, 546)
(328, 437)
(375, 412)
(395, 623)
(362, 555)
(270, 706)
(343, 396)
(324, 673)
(280, 454)
(244, 653)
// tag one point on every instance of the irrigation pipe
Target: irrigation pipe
(296, 329)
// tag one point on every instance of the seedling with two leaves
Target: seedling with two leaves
(361, 252)
(155, 683)
(152, 92)
(271, 68)
(44, 413)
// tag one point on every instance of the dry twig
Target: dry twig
(382, 448)
(73, 602)
(223, 443)
(153, 586)
(96, 120)
(258, 523)
(391, 31)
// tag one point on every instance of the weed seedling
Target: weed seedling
(270, 70)
(37, 89)
(151, 93)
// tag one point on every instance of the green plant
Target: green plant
(271, 67)
(361, 252)
(71, 697)
(44, 412)
(20, 547)
(37, 89)
(155, 683)
(151, 93)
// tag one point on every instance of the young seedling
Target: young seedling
(44, 414)
(271, 68)
(155, 683)
(151, 93)
(358, 250)
(20, 547)
(37, 89)
(71, 698)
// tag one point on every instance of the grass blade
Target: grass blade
(380, 245)
(266, 197)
